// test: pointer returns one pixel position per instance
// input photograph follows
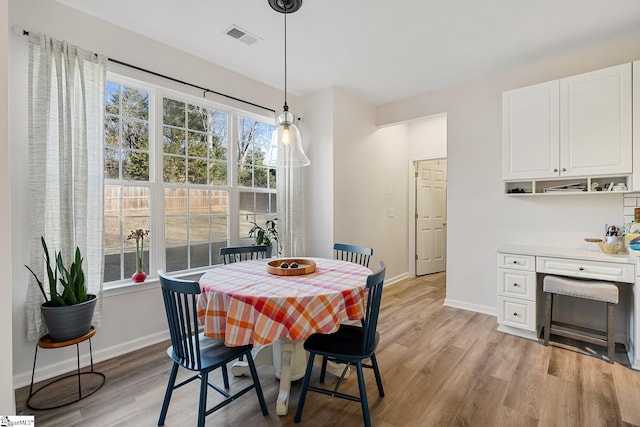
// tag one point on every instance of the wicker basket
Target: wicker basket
(610, 249)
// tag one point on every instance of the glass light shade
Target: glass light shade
(288, 143)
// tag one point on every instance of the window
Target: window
(169, 168)
(126, 167)
(253, 148)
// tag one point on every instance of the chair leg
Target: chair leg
(611, 332)
(363, 395)
(225, 376)
(376, 372)
(303, 391)
(167, 394)
(202, 405)
(548, 308)
(323, 369)
(256, 384)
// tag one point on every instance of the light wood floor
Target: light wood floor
(440, 367)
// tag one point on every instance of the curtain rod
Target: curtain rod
(204, 89)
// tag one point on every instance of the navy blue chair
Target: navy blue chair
(242, 253)
(351, 344)
(195, 352)
(358, 254)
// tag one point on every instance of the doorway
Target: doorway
(430, 216)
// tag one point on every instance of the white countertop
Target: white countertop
(558, 252)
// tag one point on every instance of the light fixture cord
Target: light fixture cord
(286, 107)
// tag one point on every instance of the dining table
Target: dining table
(244, 303)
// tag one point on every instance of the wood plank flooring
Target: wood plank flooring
(440, 367)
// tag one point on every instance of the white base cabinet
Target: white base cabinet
(517, 294)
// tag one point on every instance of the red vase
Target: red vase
(138, 277)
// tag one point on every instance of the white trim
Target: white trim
(69, 365)
(463, 305)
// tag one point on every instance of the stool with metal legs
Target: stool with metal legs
(47, 342)
(606, 292)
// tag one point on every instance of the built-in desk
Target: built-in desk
(520, 272)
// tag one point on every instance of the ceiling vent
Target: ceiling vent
(242, 35)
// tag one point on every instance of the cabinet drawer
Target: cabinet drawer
(517, 313)
(586, 269)
(517, 284)
(517, 262)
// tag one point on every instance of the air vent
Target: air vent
(242, 35)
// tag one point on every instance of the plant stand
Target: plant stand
(47, 342)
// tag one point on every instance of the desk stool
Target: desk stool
(47, 342)
(586, 289)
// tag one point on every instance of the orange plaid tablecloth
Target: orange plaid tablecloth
(244, 304)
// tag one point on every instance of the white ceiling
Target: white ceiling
(381, 51)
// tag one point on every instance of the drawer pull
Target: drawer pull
(515, 314)
(516, 285)
(581, 268)
(515, 262)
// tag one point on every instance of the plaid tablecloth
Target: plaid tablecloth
(244, 304)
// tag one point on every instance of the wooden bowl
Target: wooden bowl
(305, 266)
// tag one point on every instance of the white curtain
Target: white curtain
(66, 118)
(290, 195)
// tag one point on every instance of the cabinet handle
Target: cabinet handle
(516, 285)
(581, 268)
(515, 314)
(555, 170)
(564, 169)
(515, 262)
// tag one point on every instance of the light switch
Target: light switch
(391, 212)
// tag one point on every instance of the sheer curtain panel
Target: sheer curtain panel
(66, 120)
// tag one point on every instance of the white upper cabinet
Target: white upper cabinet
(531, 132)
(577, 126)
(595, 117)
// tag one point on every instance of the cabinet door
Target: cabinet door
(530, 132)
(595, 122)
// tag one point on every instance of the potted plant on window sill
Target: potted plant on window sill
(266, 236)
(68, 315)
(139, 276)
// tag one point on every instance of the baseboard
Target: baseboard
(70, 365)
(397, 279)
(491, 311)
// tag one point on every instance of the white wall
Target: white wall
(480, 216)
(428, 137)
(317, 136)
(131, 320)
(370, 183)
(7, 396)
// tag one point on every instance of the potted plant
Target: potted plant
(67, 314)
(139, 276)
(267, 235)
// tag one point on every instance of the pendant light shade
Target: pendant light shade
(287, 141)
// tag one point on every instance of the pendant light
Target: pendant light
(287, 135)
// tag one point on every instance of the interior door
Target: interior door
(431, 216)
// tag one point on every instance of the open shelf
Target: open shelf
(567, 186)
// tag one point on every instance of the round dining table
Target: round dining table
(243, 303)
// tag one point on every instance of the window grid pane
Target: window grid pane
(193, 146)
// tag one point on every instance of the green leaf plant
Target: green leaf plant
(266, 236)
(74, 290)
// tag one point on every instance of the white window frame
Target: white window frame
(157, 258)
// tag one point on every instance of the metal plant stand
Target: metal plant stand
(47, 342)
